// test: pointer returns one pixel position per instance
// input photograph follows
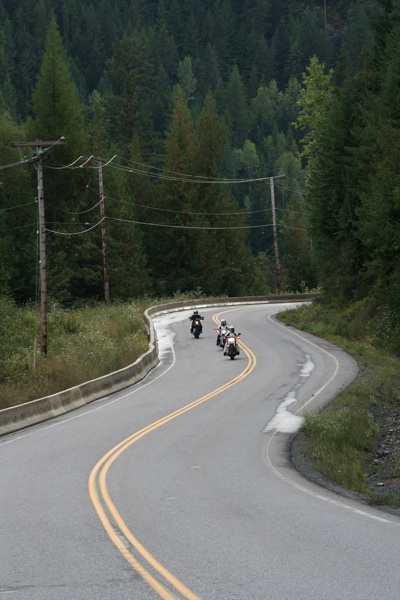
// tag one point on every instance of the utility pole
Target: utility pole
(42, 231)
(276, 249)
(103, 234)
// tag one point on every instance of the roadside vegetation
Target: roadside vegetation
(355, 441)
(83, 343)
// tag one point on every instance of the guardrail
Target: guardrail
(24, 415)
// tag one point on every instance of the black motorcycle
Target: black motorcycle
(197, 328)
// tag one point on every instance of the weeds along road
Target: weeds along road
(180, 487)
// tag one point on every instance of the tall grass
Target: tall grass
(83, 343)
(339, 436)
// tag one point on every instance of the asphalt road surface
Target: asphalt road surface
(180, 487)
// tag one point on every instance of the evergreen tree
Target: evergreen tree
(8, 95)
(127, 265)
(379, 213)
(125, 193)
(187, 81)
(236, 110)
(58, 111)
(209, 74)
(307, 39)
(161, 105)
(169, 245)
(18, 218)
(331, 196)
(267, 111)
(223, 255)
(359, 40)
(130, 75)
(222, 34)
(298, 268)
(164, 46)
(314, 104)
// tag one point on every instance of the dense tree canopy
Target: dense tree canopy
(187, 109)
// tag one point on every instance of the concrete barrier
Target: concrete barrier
(43, 409)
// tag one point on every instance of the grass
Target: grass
(342, 440)
(83, 344)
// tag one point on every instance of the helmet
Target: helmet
(223, 321)
(196, 312)
(231, 328)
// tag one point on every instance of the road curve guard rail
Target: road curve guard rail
(24, 415)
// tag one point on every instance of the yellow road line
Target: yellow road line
(99, 473)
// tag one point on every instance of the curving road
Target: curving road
(180, 487)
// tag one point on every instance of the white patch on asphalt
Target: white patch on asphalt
(307, 367)
(165, 335)
(284, 420)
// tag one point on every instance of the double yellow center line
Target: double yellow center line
(114, 525)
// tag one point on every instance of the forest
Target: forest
(176, 132)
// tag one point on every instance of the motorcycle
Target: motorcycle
(197, 328)
(231, 346)
(221, 336)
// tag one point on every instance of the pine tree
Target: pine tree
(58, 111)
(297, 258)
(226, 265)
(379, 212)
(330, 192)
(127, 109)
(8, 95)
(186, 78)
(18, 218)
(169, 245)
(236, 109)
(314, 104)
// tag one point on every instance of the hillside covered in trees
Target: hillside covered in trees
(179, 113)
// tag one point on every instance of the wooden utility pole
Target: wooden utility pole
(42, 231)
(276, 249)
(103, 235)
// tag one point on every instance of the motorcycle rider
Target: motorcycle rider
(222, 326)
(194, 317)
(232, 333)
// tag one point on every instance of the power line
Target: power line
(18, 206)
(188, 226)
(83, 212)
(154, 172)
(188, 212)
(5, 231)
(76, 232)
(133, 222)
(20, 163)
(64, 233)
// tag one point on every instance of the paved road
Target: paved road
(181, 488)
